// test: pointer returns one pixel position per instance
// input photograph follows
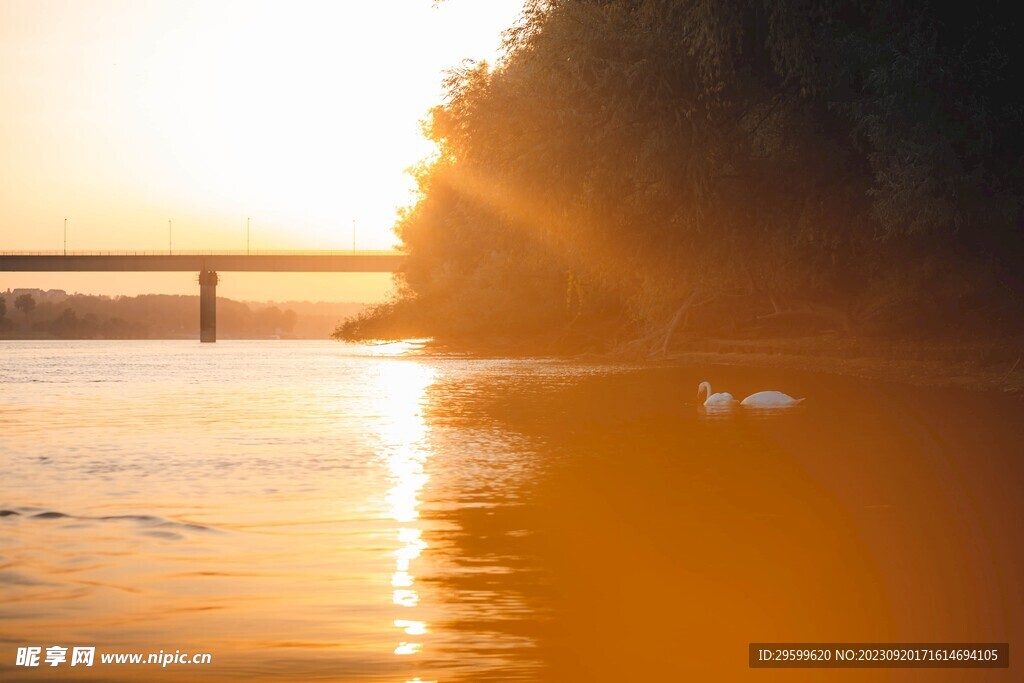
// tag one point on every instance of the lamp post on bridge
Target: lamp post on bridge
(65, 236)
(169, 242)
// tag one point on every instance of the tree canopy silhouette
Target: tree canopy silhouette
(637, 167)
(25, 303)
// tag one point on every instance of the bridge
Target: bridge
(206, 263)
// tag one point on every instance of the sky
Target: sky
(122, 115)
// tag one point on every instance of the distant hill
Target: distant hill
(56, 315)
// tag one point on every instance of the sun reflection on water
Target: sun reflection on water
(404, 448)
(413, 628)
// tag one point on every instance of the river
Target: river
(311, 511)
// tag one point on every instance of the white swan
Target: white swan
(722, 399)
(770, 399)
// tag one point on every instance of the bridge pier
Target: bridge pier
(208, 305)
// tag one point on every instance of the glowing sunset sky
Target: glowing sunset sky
(120, 115)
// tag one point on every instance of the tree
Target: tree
(115, 328)
(65, 326)
(25, 303)
(88, 326)
(3, 306)
(288, 321)
(639, 167)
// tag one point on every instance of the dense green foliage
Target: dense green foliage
(636, 168)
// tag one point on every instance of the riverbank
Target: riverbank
(992, 365)
(996, 365)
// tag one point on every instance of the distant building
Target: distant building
(51, 296)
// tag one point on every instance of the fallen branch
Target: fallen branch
(662, 349)
(814, 310)
(1010, 371)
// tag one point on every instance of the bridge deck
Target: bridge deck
(228, 261)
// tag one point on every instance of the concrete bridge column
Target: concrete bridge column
(208, 305)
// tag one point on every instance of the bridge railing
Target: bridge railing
(211, 252)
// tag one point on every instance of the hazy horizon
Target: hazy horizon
(304, 117)
(70, 293)
(363, 288)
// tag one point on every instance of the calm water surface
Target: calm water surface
(308, 511)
